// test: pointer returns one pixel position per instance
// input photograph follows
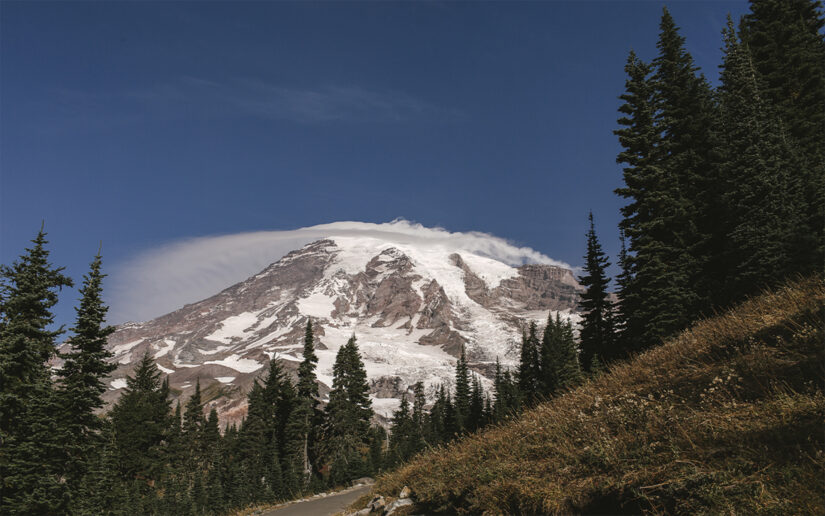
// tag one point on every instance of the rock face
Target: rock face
(410, 307)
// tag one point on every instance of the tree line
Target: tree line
(725, 186)
(548, 365)
(58, 455)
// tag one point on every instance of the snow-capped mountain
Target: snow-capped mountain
(411, 307)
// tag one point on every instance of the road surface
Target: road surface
(321, 506)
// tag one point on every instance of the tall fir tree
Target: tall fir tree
(141, 425)
(559, 358)
(529, 373)
(643, 178)
(597, 332)
(688, 225)
(766, 221)
(305, 415)
(348, 415)
(462, 392)
(81, 377)
(32, 456)
(785, 41)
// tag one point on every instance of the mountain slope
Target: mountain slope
(726, 418)
(411, 307)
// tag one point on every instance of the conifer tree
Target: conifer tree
(462, 392)
(82, 376)
(529, 373)
(643, 178)
(476, 414)
(686, 228)
(32, 458)
(402, 433)
(559, 359)
(597, 333)
(787, 46)
(766, 222)
(305, 415)
(419, 415)
(141, 424)
(348, 415)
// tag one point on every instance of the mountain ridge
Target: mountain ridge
(411, 306)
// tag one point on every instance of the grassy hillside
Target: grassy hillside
(727, 418)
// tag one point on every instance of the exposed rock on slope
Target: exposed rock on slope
(410, 306)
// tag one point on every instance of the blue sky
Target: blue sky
(141, 124)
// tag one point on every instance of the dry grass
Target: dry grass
(727, 418)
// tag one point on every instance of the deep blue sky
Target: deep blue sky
(138, 124)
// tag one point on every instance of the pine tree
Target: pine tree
(643, 178)
(82, 376)
(686, 226)
(559, 359)
(419, 415)
(476, 414)
(529, 373)
(597, 333)
(785, 40)
(462, 392)
(305, 414)
(32, 458)
(402, 433)
(348, 415)
(141, 424)
(766, 223)
(624, 320)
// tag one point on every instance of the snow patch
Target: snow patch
(225, 379)
(165, 349)
(119, 383)
(242, 365)
(123, 348)
(233, 327)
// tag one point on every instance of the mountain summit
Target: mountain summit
(410, 305)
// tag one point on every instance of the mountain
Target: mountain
(410, 305)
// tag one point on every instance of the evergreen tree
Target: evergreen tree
(402, 435)
(141, 425)
(462, 392)
(82, 376)
(32, 458)
(529, 373)
(785, 40)
(624, 320)
(419, 415)
(643, 259)
(476, 414)
(305, 414)
(766, 221)
(348, 415)
(559, 358)
(597, 333)
(687, 226)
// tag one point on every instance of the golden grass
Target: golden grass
(727, 418)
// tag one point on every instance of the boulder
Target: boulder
(394, 506)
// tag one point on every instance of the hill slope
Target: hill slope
(726, 418)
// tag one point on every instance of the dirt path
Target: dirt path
(321, 506)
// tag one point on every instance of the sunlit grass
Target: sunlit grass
(726, 418)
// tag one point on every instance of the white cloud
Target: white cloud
(164, 279)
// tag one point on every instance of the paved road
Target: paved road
(321, 506)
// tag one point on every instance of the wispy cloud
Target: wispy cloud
(252, 97)
(168, 277)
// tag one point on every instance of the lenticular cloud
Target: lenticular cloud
(164, 279)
